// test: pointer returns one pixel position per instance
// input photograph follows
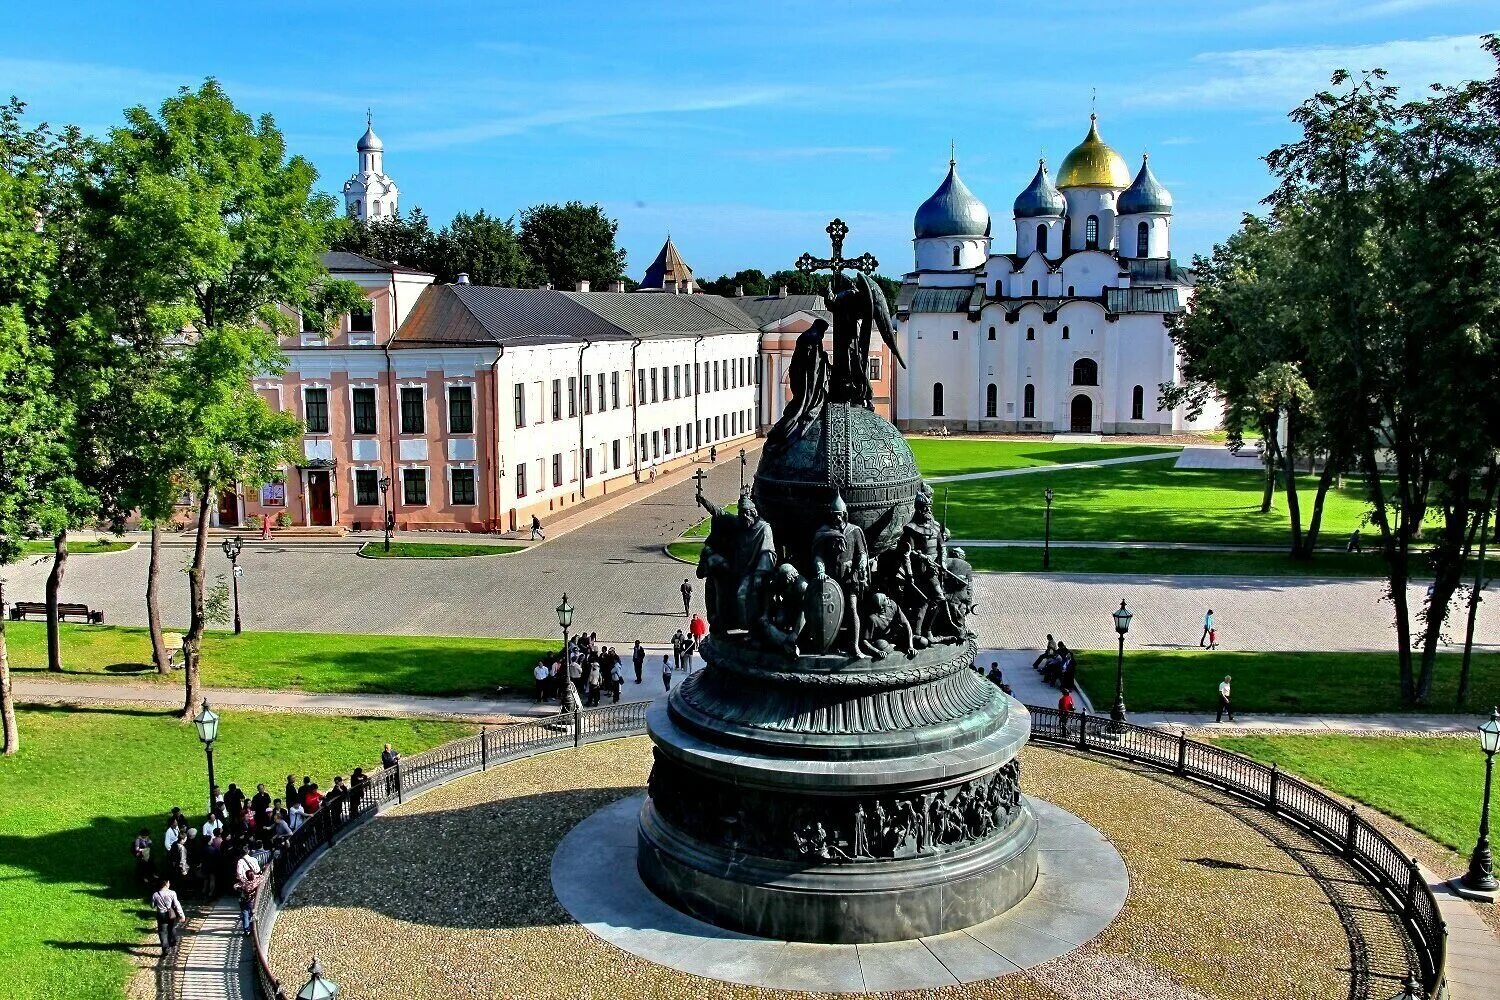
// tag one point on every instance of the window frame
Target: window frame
(939, 402)
(307, 410)
(357, 427)
(467, 393)
(453, 499)
(374, 484)
(406, 484)
(420, 412)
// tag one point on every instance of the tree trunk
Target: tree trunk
(194, 637)
(1310, 539)
(159, 653)
(54, 585)
(1270, 491)
(1474, 599)
(12, 738)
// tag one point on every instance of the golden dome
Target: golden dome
(1093, 164)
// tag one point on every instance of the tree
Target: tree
(751, 281)
(572, 243)
(220, 232)
(485, 248)
(798, 283)
(400, 239)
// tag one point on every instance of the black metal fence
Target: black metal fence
(1340, 826)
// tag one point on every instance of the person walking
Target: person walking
(595, 683)
(687, 597)
(713, 454)
(140, 849)
(169, 915)
(678, 642)
(536, 529)
(1225, 708)
(1208, 627)
(666, 674)
(541, 675)
(638, 659)
(391, 761)
(265, 527)
(616, 679)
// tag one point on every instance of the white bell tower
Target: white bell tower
(370, 194)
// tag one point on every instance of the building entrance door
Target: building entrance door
(229, 509)
(1083, 415)
(319, 498)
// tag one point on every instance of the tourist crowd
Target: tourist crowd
(233, 847)
(595, 670)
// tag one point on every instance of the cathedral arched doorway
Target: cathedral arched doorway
(1083, 415)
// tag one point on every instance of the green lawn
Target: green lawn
(1433, 785)
(942, 457)
(1293, 683)
(1145, 502)
(87, 780)
(309, 661)
(76, 547)
(686, 551)
(1172, 562)
(433, 550)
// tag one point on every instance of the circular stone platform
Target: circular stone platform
(1081, 886)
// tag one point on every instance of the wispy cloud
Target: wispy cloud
(1285, 13)
(1178, 140)
(1278, 78)
(814, 152)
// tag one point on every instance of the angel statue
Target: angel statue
(858, 305)
(808, 377)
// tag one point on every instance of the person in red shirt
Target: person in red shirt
(313, 801)
(1065, 708)
(699, 628)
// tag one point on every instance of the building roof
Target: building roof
(1041, 199)
(349, 261)
(768, 309)
(1093, 164)
(370, 141)
(1157, 270)
(1145, 194)
(952, 210)
(668, 269)
(658, 316)
(939, 300)
(479, 315)
(1136, 300)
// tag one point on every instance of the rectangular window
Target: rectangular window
(718, 374)
(572, 396)
(460, 409)
(414, 487)
(362, 321)
(520, 480)
(676, 381)
(614, 448)
(955, 334)
(614, 390)
(315, 410)
(588, 463)
(643, 449)
(653, 385)
(364, 410)
(366, 488)
(520, 409)
(557, 399)
(656, 444)
(588, 395)
(601, 392)
(557, 469)
(874, 369)
(413, 419)
(677, 437)
(640, 386)
(462, 487)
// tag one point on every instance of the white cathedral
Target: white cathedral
(370, 193)
(1067, 334)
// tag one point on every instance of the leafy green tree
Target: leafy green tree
(223, 232)
(798, 282)
(485, 248)
(571, 243)
(406, 239)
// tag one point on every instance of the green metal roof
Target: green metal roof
(1139, 300)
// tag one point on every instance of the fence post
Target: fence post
(484, 749)
(1083, 730)
(1182, 751)
(1275, 793)
(1414, 876)
(400, 781)
(577, 727)
(1349, 826)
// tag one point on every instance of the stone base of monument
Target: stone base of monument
(1080, 886)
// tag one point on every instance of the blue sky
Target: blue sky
(742, 128)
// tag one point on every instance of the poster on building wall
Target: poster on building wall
(273, 495)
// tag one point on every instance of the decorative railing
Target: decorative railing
(1338, 825)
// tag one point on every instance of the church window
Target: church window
(992, 333)
(1065, 333)
(955, 256)
(955, 334)
(1041, 238)
(1031, 333)
(1142, 240)
(1070, 291)
(1035, 288)
(1085, 372)
(1138, 403)
(990, 400)
(937, 399)
(1028, 402)
(375, 208)
(1091, 232)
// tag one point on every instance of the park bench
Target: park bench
(22, 610)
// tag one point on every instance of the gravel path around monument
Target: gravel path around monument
(452, 894)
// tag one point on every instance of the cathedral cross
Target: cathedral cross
(699, 476)
(836, 263)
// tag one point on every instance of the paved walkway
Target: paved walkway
(1473, 950)
(1060, 467)
(215, 961)
(1210, 456)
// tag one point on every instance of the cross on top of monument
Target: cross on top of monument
(836, 263)
(699, 476)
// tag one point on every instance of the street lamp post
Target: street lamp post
(317, 987)
(232, 547)
(1047, 537)
(207, 721)
(385, 505)
(1122, 625)
(565, 620)
(1481, 874)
